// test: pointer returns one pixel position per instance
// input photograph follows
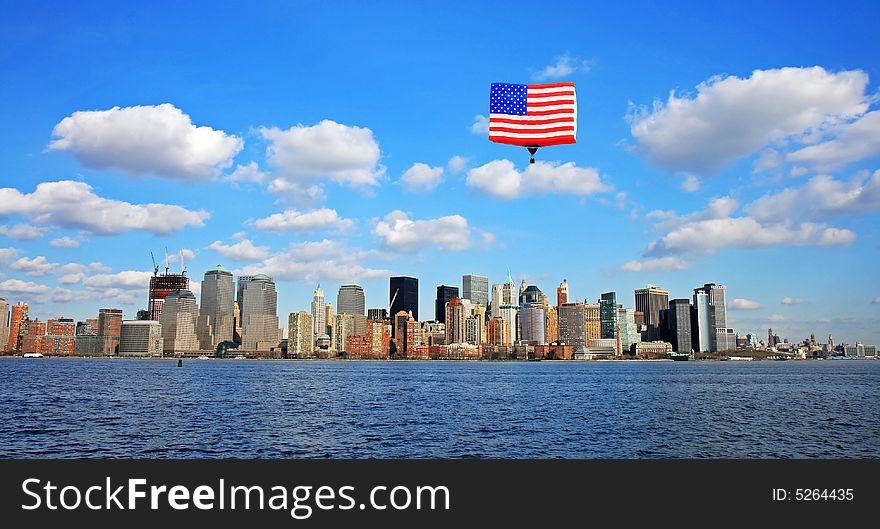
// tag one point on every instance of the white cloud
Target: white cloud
(22, 232)
(776, 318)
(146, 140)
(243, 250)
(659, 264)
(730, 118)
(500, 178)
(852, 142)
(421, 177)
(247, 173)
(17, 286)
(768, 160)
(563, 66)
(822, 197)
(744, 304)
(38, 266)
(876, 301)
(127, 279)
(315, 261)
(793, 301)
(304, 221)
(480, 124)
(346, 155)
(70, 204)
(7, 255)
(690, 184)
(64, 242)
(400, 233)
(456, 164)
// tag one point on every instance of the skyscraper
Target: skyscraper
(701, 323)
(259, 314)
(19, 314)
(319, 312)
(475, 288)
(300, 334)
(678, 322)
(4, 323)
(608, 314)
(218, 304)
(350, 300)
(650, 301)
(722, 337)
(629, 331)
(109, 329)
(179, 319)
(562, 293)
(532, 322)
(140, 338)
(403, 295)
(444, 296)
(456, 315)
(572, 324)
(161, 286)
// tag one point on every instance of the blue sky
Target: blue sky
(317, 143)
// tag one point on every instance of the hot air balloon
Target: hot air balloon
(533, 115)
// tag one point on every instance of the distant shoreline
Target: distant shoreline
(229, 359)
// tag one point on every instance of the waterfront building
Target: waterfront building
(678, 325)
(505, 303)
(60, 339)
(475, 289)
(109, 329)
(650, 301)
(628, 330)
(701, 322)
(433, 333)
(378, 339)
(300, 334)
(319, 313)
(444, 295)
(259, 314)
(572, 320)
(608, 314)
(407, 334)
(4, 324)
(651, 350)
(328, 317)
(180, 320)
(722, 338)
(350, 300)
(455, 319)
(218, 306)
(18, 314)
(551, 329)
(140, 338)
(403, 295)
(593, 321)
(31, 336)
(532, 323)
(343, 327)
(498, 332)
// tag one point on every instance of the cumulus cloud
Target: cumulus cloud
(7, 255)
(22, 232)
(690, 184)
(127, 279)
(421, 178)
(480, 124)
(744, 304)
(243, 250)
(851, 142)
(793, 301)
(69, 204)
(562, 66)
(247, 173)
(823, 197)
(876, 301)
(17, 286)
(776, 318)
(38, 266)
(456, 164)
(64, 242)
(318, 260)
(501, 179)
(731, 117)
(342, 154)
(155, 140)
(658, 264)
(400, 233)
(304, 221)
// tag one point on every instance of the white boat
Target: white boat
(240, 357)
(202, 357)
(741, 358)
(32, 355)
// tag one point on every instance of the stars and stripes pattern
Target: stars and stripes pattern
(533, 114)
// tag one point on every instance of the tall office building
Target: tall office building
(701, 322)
(505, 304)
(60, 337)
(722, 337)
(259, 314)
(180, 315)
(218, 305)
(498, 333)
(4, 324)
(629, 331)
(161, 286)
(140, 338)
(475, 288)
(455, 318)
(377, 314)
(300, 334)
(562, 293)
(109, 329)
(678, 325)
(444, 296)
(650, 301)
(343, 326)
(403, 295)
(350, 300)
(19, 314)
(532, 323)
(593, 322)
(319, 312)
(572, 324)
(608, 314)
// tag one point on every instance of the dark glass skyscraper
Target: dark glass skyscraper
(608, 314)
(444, 296)
(403, 293)
(678, 325)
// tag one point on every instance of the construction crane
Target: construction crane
(392, 303)
(155, 266)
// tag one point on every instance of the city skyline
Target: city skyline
(263, 157)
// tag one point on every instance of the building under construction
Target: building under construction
(163, 284)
